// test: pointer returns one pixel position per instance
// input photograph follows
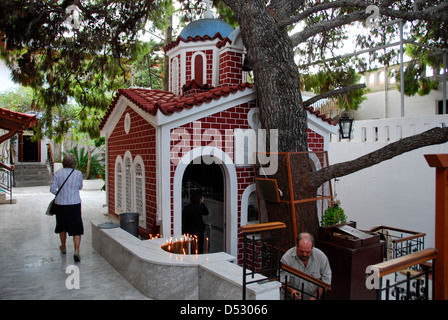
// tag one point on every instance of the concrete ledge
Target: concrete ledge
(92, 184)
(162, 275)
(5, 199)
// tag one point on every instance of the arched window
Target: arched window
(199, 67)
(372, 80)
(382, 77)
(175, 76)
(128, 181)
(119, 183)
(139, 188)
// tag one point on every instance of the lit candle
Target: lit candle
(196, 243)
(206, 246)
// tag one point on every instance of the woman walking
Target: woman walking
(68, 204)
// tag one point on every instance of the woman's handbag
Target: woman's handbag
(50, 210)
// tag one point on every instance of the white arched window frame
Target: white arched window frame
(204, 66)
(128, 182)
(250, 190)
(139, 189)
(119, 184)
(382, 78)
(175, 76)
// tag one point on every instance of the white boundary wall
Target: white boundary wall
(399, 192)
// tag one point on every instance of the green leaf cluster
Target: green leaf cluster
(415, 80)
(97, 163)
(333, 215)
(67, 66)
(327, 79)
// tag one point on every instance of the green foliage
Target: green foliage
(327, 80)
(148, 65)
(65, 65)
(415, 81)
(333, 215)
(226, 13)
(17, 99)
(97, 165)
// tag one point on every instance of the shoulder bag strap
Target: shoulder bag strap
(64, 183)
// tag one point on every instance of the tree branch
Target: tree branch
(311, 31)
(321, 7)
(384, 10)
(431, 137)
(333, 93)
(348, 18)
(283, 8)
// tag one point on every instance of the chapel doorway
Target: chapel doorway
(209, 179)
(29, 147)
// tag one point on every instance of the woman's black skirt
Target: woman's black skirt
(68, 218)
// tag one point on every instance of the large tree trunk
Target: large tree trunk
(292, 206)
(166, 62)
(270, 52)
(277, 80)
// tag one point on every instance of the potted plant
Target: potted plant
(333, 215)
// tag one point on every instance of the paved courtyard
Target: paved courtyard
(31, 265)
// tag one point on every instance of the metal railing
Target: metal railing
(6, 180)
(319, 287)
(261, 252)
(415, 285)
(400, 242)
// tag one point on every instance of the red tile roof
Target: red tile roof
(168, 103)
(179, 39)
(321, 115)
(12, 120)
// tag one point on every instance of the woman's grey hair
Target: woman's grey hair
(69, 161)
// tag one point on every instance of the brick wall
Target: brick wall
(230, 68)
(208, 63)
(141, 140)
(315, 141)
(221, 123)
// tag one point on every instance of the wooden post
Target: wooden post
(440, 162)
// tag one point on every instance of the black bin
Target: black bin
(129, 222)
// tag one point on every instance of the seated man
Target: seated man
(304, 257)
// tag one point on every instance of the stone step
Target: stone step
(32, 183)
(24, 168)
(31, 175)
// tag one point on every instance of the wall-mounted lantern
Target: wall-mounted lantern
(246, 64)
(345, 126)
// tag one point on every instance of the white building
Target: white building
(399, 192)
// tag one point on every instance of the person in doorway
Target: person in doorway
(192, 222)
(68, 204)
(306, 258)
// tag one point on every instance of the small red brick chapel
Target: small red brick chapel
(153, 136)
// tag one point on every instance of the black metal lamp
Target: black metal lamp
(246, 64)
(345, 126)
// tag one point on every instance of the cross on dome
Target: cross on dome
(208, 14)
